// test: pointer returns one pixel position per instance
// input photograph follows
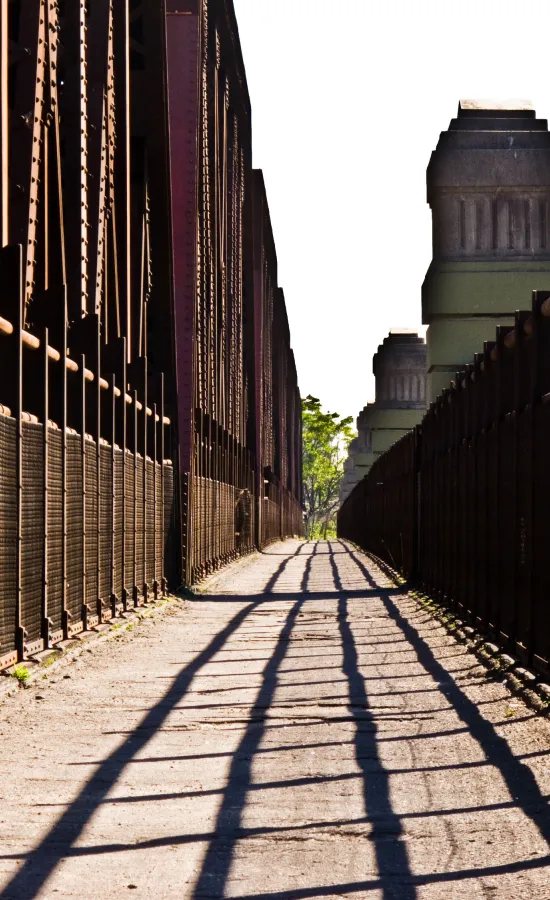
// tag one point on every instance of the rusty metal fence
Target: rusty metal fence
(238, 401)
(278, 408)
(460, 506)
(222, 500)
(129, 362)
(86, 495)
(380, 514)
(88, 516)
(282, 515)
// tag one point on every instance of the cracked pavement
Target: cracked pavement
(299, 729)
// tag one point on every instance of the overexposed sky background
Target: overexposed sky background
(348, 100)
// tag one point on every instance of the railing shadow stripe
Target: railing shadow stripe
(519, 779)
(218, 857)
(42, 861)
(391, 856)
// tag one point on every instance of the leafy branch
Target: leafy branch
(326, 438)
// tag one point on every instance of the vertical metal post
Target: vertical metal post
(123, 444)
(113, 598)
(531, 349)
(135, 429)
(97, 429)
(541, 432)
(82, 374)
(139, 378)
(143, 366)
(15, 284)
(416, 488)
(524, 440)
(155, 501)
(471, 537)
(85, 334)
(281, 512)
(499, 419)
(208, 511)
(65, 615)
(162, 456)
(45, 620)
(196, 524)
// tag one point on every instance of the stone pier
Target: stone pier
(399, 368)
(489, 191)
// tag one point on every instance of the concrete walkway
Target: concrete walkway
(304, 730)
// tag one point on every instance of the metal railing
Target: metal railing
(282, 515)
(239, 411)
(130, 312)
(86, 496)
(460, 506)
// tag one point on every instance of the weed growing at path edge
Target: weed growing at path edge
(22, 674)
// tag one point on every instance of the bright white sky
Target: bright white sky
(348, 99)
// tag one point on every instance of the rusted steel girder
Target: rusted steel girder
(233, 343)
(83, 231)
(277, 398)
(127, 249)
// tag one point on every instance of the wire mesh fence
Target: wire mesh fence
(139, 409)
(460, 506)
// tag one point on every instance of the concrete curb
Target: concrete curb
(41, 666)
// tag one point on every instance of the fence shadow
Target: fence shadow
(519, 779)
(391, 855)
(217, 861)
(394, 879)
(40, 863)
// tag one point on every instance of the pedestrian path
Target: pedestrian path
(301, 730)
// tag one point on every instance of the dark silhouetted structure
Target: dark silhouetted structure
(150, 414)
(460, 504)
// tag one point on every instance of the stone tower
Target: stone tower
(399, 368)
(489, 192)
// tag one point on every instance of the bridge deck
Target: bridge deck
(302, 730)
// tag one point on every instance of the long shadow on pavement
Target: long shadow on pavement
(217, 861)
(391, 853)
(394, 878)
(519, 779)
(42, 861)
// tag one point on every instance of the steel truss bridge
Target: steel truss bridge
(149, 407)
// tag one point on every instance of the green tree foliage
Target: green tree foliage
(326, 438)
